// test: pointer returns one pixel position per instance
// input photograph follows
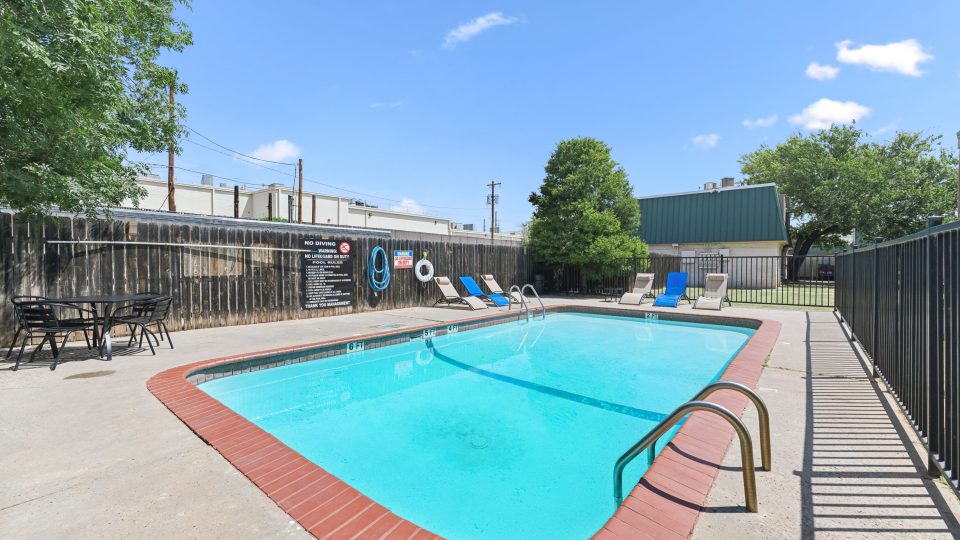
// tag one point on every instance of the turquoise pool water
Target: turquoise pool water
(509, 431)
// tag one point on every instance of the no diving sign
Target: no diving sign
(403, 258)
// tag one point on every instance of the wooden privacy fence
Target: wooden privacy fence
(219, 272)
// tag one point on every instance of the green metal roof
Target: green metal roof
(734, 214)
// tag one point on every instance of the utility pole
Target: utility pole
(492, 200)
(300, 193)
(171, 203)
(958, 177)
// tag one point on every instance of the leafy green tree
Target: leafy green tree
(585, 213)
(80, 87)
(838, 182)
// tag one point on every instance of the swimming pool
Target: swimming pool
(508, 431)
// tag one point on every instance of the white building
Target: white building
(746, 225)
(277, 201)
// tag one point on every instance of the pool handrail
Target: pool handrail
(746, 448)
(543, 308)
(523, 301)
(762, 413)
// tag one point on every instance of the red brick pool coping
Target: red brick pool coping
(665, 504)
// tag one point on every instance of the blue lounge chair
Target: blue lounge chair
(475, 290)
(676, 290)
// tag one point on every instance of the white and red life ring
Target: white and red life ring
(422, 265)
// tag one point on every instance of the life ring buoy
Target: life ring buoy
(421, 265)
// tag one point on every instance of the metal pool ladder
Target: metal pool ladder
(523, 300)
(697, 404)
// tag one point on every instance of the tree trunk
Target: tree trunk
(799, 255)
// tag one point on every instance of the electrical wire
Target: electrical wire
(252, 183)
(260, 184)
(237, 180)
(278, 171)
(234, 151)
(386, 198)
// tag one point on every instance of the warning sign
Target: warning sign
(326, 273)
(403, 258)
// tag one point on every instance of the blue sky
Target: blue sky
(429, 101)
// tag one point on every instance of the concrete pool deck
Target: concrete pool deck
(88, 452)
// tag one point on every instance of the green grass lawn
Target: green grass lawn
(801, 295)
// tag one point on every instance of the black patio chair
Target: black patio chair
(48, 319)
(160, 329)
(17, 300)
(140, 316)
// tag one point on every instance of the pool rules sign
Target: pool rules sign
(326, 273)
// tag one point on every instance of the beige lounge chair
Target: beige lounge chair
(495, 287)
(450, 296)
(642, 286)
(714, 293)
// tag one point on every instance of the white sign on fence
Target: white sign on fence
(402, 258)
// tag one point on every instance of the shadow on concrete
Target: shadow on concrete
(861, 474)
(74, 352)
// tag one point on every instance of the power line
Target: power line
(317, 182)
(234, 151)
(285, 173)
(385, 198)
(370, 195)
(237, 180)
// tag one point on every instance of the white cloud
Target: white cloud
(823, 113)
(468, 31)
(409, 205)
(707, 140)
(820, 72)
(766, 121)
(281, 150)
(386, 104)
(902, 57)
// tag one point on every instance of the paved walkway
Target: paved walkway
(844, 466)
(87, 452)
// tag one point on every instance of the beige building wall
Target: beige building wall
(330, 209)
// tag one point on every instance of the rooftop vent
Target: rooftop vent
(207, 179)
(709, 186)
(726, 181)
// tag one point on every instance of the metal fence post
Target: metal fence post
(932, 331)
(876, 304)
(853, 291)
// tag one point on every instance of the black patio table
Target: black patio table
(108, 303)
(610, 294)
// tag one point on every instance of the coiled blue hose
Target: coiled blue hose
(378, 278)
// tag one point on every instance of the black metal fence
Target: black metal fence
(753, 280)
(901, 301)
